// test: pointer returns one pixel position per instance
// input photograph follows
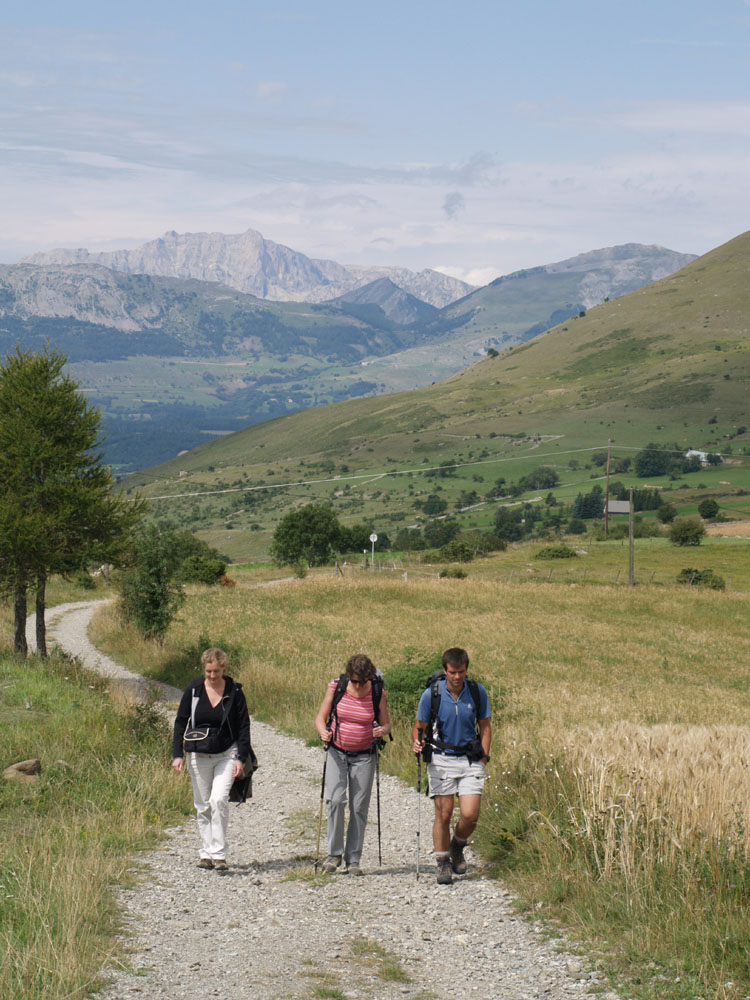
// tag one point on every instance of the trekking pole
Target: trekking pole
(419, 795)
(320, 813)
(377, 790)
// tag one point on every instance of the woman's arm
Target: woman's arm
(180, 724)
(321, 719)
(384, 729)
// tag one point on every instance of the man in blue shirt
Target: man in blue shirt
(458, 759)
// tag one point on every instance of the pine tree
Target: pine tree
(57, 509)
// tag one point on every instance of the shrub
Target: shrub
(308, 535)
(149, 597)
(652, 461)
(457, 551)
(406, 681)
(85, 580)
(201, 569)
(482, 544)
(508, 524)
(701, 578)
(667, 513)
(708, 509)
(454, 572)
(556, 552)
(452, 552)
(543, 478)
(576, 526)
(439, 533)
(686, 531)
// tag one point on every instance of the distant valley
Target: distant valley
(668, 363)
(174, 360)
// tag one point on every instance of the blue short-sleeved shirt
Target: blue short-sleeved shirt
(458, 719)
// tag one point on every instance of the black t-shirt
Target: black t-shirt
(206, 714)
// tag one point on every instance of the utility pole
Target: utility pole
(606, 492)
(631, 532)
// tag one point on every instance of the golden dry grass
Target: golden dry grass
(729, 529)
(564, 657)
(650, 793)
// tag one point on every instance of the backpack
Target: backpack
(433, 723)
(377, 688)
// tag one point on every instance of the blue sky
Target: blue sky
(474, 137)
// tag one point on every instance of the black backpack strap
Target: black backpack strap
(434, 706)
(474, 692)
(338, 694)
(378, 684)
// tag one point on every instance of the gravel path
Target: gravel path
(264, 930)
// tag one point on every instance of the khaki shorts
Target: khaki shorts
(455, 775)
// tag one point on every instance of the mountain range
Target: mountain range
(668, 363)
(173, 359)
(252, 264)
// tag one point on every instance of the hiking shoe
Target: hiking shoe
(331, 863)
(220, 865)
(354, 869)
(444, 875)
(205, 863)
(458, 861)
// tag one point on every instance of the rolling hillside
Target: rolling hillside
(171, 360)
(668, 363)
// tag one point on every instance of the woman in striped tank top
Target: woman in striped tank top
(350, 728)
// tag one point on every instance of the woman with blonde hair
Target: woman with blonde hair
(212, 729)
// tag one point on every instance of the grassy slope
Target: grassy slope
(656, 365)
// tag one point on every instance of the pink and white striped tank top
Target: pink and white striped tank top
(352, 723)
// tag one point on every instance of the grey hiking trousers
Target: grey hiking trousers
(352, 775)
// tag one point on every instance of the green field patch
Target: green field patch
(680, 393)
(627, 351)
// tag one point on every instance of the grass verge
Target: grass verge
(104, 793)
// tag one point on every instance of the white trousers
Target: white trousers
(211, 776)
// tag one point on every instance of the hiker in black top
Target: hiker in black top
(212, 727)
